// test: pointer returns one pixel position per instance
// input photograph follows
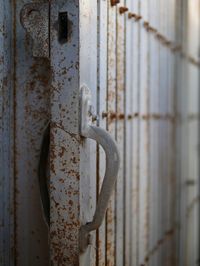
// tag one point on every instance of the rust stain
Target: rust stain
(135, 16)
(123, 9)
(114, 2)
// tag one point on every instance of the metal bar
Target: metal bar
(128, 137)
(120, 131)
(135, 135)
(144, 135)
(102, 107)
(111, 126)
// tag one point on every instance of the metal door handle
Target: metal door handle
(112, 166)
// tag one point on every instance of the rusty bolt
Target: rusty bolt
(146, 24)
(114, 2)
(152, 29)
(167, 43)
(123, 9)
(113, 115)
(131, 15)
(176, 48)
(121, 116)
(135, 16)
(138, 17)
(104, 114)
(158, 36)
(161, 38)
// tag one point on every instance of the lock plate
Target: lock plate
(35, 19)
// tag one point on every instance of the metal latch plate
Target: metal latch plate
(35, 19)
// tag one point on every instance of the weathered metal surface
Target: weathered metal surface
(111, 126)
(31, 85)
(7, 252)
(189, 224)
(140, 60)
(151, 257)
(120, 136)
(35, 19)
(65, 140)
(88, 76)
(135, 138)
(144, 137)
(128, 151)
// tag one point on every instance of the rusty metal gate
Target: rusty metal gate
(130, 68)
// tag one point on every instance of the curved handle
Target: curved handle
(112, 166)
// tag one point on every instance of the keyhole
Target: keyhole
(63, 27)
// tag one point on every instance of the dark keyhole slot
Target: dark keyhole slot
(63, 27)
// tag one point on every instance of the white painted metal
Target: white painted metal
(154, 154)
(88, 76)
(140, 59)
(143, 135)
(110, 148)
(120, 137)
(128, 181)
(134, 102)
(190, 183)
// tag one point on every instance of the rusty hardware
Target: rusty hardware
(114, 2)
(146, 24)
(123, 9)
(152, 29)
(176, 48)
(35, 19)
(167, 43)
(138, 17)
(102, 137)
(160, 37)
(42, 174)
(148, 27)
(135, 16)
(131, 15)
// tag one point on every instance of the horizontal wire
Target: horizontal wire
(163, 40)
